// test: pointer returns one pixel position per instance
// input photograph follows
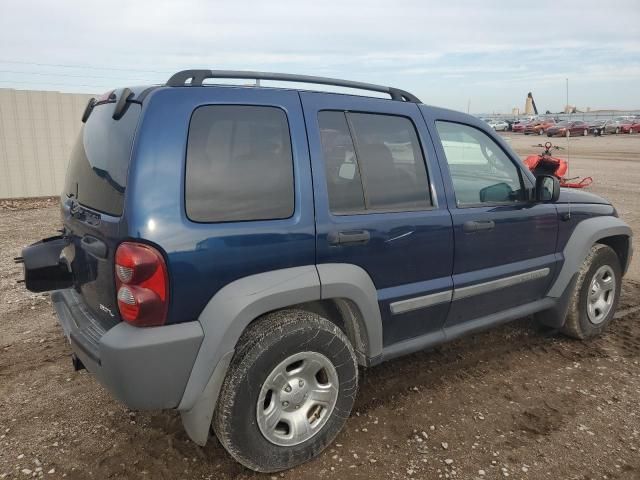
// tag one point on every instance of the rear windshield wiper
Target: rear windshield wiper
(107, 176)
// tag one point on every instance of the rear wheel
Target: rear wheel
(288, 392)
(596, 295)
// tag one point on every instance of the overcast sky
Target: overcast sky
(448, 53)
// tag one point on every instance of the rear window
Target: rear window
(97, 171)
(239, 164)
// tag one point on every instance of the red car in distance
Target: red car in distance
(538, 127)
(520, 126)
(568, 129)
(630, 126)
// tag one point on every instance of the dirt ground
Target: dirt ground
(514, 402)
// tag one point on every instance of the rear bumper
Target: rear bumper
(145, 368)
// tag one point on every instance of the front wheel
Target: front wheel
(596, 295)
(289, 390)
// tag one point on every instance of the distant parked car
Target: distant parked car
(631, 126)
(499, 125)
(538, 127)
(604, 127)
(568, 128)
(510, 123)
(597, 127)
(519, 126)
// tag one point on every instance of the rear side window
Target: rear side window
(97, 171)
(373, 163)
(239, 164)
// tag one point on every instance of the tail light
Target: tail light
(142, 284)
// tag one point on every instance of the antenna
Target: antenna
(568, 216)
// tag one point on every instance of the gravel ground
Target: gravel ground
(514, 402)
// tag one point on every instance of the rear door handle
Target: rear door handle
(477, 226)
(350, 237)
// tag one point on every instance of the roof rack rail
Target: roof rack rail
(187, 78)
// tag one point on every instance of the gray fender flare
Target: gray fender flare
(585, 234)
(236, 305)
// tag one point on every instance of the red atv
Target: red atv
(546, 164)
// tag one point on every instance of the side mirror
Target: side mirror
(547, 189)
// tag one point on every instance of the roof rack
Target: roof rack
(187, 78)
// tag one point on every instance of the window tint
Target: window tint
(391, 162)
(383, 169)
(480, 170)
(239, 164)
(343, 175)
(97, 171)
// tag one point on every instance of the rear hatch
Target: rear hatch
(93, 200)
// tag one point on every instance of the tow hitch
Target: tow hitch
(45, 268)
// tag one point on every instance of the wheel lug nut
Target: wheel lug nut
(287, 388)
(285, 404)
(297, 407)
(301, 383)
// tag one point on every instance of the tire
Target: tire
(289, 344)
(583, 322)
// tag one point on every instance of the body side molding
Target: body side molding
(424, 301)
(416, 303)
(490, 286)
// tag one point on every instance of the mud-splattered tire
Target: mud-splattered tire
(273, 368)
(600, 267)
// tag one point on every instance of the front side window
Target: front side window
(480, 170)
(239, 164)
(373, 163)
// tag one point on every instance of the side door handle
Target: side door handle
(349, 237)
(477, 226)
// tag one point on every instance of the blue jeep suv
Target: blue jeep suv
(236, 252)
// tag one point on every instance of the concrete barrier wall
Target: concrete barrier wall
(37, 132)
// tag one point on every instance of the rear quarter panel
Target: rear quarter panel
(203, 257)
